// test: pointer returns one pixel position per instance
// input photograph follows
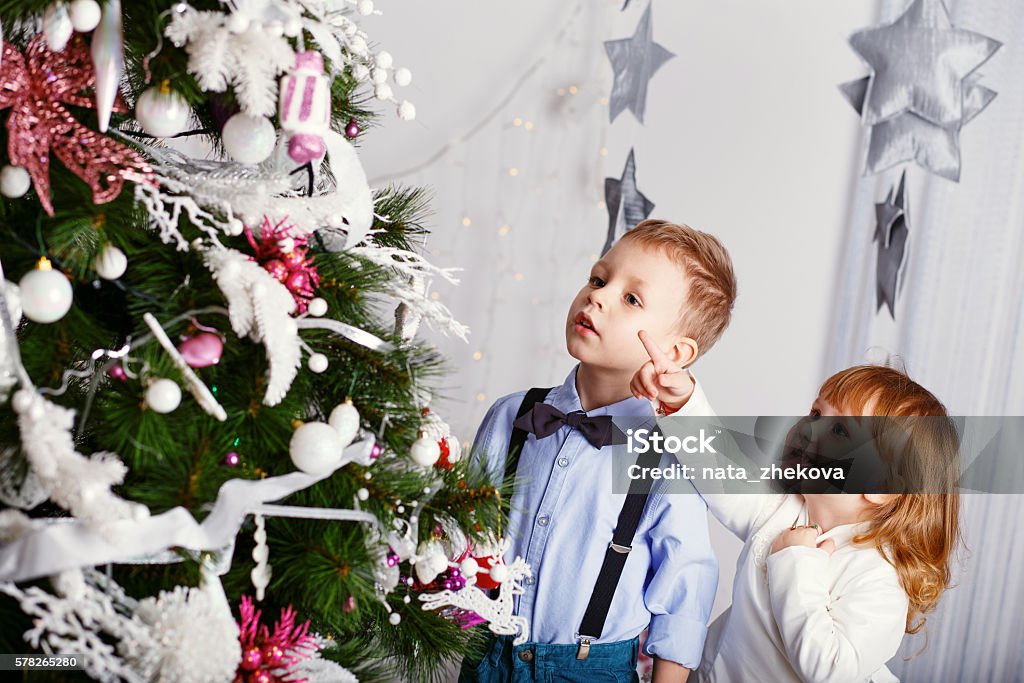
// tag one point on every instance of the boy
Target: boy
(656, 301)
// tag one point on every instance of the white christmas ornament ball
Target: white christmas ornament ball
(425, 451)
(162, 112)
(110, 263)
(406, 111)
(403, 77)
(365, 7)
(345, 421)
(45, 294)
(383, 92)
(499, 573)
(249, 139)
(378, 75)
(363, 494)
(85, 15)
(163, 396)
(384, 60)
(469, 567)
(315, 448)
(14, 181)
(318, 363)
(317, 307)
(395, 619)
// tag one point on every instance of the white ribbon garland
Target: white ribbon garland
(72, 545)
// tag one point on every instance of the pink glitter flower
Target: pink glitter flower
(36, 86)
(279, 651)
(286, 257)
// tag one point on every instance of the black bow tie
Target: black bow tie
(544, 420)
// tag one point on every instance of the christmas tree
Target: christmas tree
(217, 458)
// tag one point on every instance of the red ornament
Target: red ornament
(286, 258)
(443, 462)
(36, 87)
(483, 578)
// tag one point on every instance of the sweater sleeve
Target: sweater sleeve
(835, 638)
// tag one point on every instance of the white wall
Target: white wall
(746, 136)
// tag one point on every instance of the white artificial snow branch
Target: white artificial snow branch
(249, 61)
(78, 484)
(260, 308)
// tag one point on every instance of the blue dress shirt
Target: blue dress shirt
(563, 513)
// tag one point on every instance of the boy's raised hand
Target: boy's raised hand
(660, 378)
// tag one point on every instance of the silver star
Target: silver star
(634, 61)
(920, 62)
(891, 232)
(908, 137)
(626, 205)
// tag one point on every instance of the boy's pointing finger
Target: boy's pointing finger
(662, 363)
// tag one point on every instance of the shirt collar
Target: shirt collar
(843, 534)
(567, 399)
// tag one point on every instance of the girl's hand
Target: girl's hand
(805, 536)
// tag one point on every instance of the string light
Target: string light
(513, 171)
(519, 277)
(535, 300)
(573, 90)
(481, 397)
(603, 152)
(601, 204)
(477, 355)
(517, 121)
(435, 296)
(561, 92)
(466, 222)
(503, 230)
(528, 125)
(603, 101)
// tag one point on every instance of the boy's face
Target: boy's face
(632, 288)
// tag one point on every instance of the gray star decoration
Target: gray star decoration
(891, 232)
(626, 206)
(923, 88)
(634, 61)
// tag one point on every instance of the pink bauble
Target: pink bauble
(273, 655)
(277, 269)
(294, 258)
(117, 372)
(305, 147)
(298, 283)
(252, 658)
(202, 350)
(261, 676)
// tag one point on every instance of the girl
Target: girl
(826, 584)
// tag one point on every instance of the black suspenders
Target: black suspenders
(622, 539)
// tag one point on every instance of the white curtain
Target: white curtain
(958, 330)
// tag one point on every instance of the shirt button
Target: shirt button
(543, 521)
(563, 462)
(526, 655)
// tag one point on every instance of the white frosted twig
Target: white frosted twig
(196, 387)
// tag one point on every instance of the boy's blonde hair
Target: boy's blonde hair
(711, 281)
(915, 532)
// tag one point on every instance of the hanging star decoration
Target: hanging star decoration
(891, 232)
(36, 87)
(634, 61)
(626, 205)
(922, 90)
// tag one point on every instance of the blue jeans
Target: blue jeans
(503, 663)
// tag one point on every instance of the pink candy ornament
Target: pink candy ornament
(304, 107)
